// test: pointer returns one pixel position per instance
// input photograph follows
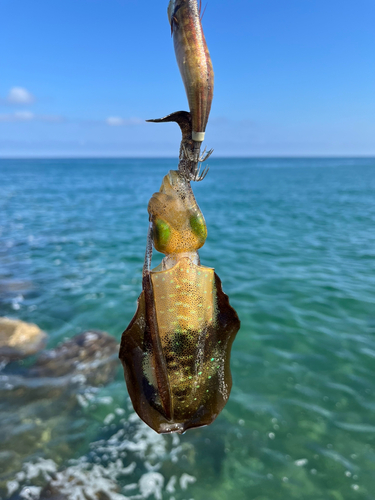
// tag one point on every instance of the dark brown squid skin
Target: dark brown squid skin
(148, 392)
(193, 60)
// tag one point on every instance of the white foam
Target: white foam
(40, 468)
(12, 486)
(31, 492)
(301, 462)
(109, 418)
(171, 486)
(105, 467)
(185, 480)
(151, 483)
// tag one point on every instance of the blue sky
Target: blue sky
(292, 78)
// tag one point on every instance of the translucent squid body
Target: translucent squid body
(176, 349)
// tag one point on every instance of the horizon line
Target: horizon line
(167, 157)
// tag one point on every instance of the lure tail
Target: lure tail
(183, 118)
(190, 158)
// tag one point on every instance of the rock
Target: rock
(40, 410)
(91, 355)
(49, 492)
(19, 339)
(88, 359)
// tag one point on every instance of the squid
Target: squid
(176, 350)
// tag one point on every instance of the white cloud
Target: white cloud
(19, 95)
(115, 121)
(23, 116)
(19, 116)
(27, 116)
(50, 118)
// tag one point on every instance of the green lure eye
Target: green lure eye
(162, 233)
(198, 226)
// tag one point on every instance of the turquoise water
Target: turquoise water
(293, 242)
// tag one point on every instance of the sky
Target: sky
(78, 78)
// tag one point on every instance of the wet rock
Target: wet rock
(88, 359)
(51, 492)
(91, 356)
(19, 339)
(40, 410)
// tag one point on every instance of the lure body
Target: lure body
(194, 61)
(176, 350)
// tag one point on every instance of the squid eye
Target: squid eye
(198, 226)
(162, 233)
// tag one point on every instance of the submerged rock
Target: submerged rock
(50, 492)
(91, 355)
(19, 339)
(40, 405)
(88, 359)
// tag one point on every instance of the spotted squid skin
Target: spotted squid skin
(193, 60)
(185, 302)
(197, 360)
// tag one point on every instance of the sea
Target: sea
(293, 241)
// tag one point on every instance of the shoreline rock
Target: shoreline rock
(41, 403)
(19, 339)
(91, 354)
